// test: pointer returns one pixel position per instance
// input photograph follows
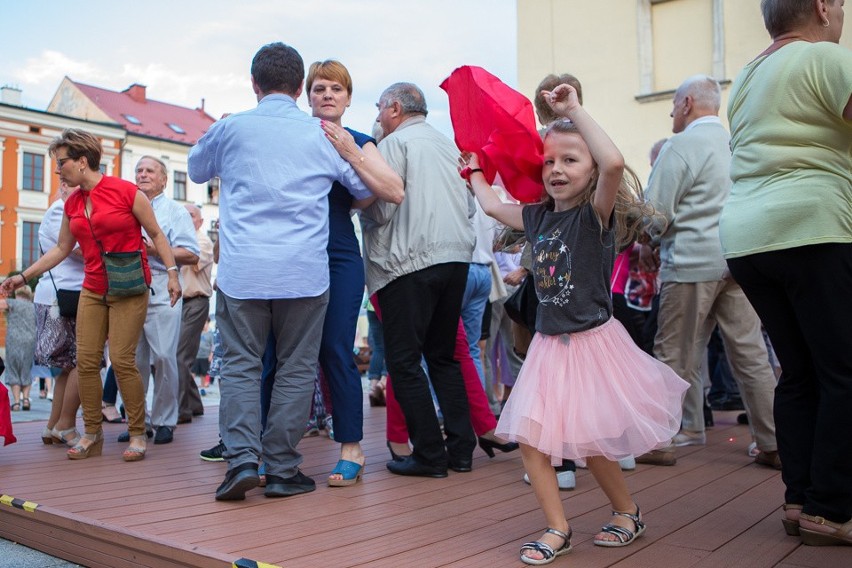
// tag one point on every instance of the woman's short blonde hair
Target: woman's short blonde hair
(330, 70)
(78, 143)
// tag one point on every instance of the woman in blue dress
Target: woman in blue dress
(329, 89)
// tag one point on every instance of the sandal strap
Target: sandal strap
(636, 518)
(560, 534)
(621, 533)
(545, 549)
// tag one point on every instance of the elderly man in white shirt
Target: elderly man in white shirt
(159, 340)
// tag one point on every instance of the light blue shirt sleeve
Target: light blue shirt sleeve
(176, 223)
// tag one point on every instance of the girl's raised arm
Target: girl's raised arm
(563, 100)
(507, 213)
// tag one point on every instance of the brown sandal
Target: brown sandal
(791, 526)
(840, 535)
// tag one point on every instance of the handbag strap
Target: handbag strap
(92, 228)
(52, 281)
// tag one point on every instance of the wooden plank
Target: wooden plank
(714, 508)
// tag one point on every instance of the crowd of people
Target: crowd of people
(575, 329)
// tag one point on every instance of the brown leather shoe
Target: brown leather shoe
(658, 457)
(769, 459)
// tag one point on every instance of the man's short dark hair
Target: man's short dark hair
(277, 67)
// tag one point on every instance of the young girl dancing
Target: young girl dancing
(585, 390)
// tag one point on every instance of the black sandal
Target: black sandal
(545, 549)
(624, 536)
(16, 407)
(26, 404)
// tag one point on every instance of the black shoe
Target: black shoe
(124, 437)
(394, 456)
(237, 481)
(287, 486)
(214, 454)
(461, 465)
(198, 412)
(409, 466)
(742, 418)
(184, 419)
(732, 404)
(708, 416)
(165, 435)
(489, 445)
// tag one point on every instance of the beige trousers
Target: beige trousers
(688, 313)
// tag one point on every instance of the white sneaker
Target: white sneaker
(565, 479)
(687, 438)
(752, 450)
(627, 464)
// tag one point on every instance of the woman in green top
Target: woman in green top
(786, 231)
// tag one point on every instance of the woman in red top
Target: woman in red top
(117, 211)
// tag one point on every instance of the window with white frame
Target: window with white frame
(29, 244)
(677, 39)
(180, 185)
(33, 172)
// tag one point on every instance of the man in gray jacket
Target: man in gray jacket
(417, 256)
(689, 183)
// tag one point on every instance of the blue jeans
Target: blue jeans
(473, 306)
(376, 339)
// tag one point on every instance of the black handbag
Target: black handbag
(522, 305)
(67, 300)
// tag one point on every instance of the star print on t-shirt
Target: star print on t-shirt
(552, 269)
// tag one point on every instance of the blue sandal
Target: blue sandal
(547, 552)
(351, 472)
(625, 536)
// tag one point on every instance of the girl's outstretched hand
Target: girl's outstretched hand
(467, 161)
(563, 99)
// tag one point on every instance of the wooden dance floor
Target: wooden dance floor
(713, 509)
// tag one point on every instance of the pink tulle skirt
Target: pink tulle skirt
(592, 393)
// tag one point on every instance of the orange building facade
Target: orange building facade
(28, 183)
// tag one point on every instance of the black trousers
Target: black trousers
(420, 315)
(803, 296)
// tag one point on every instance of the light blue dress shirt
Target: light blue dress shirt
(276, 169)
(176, 223)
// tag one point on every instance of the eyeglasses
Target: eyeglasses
(61, 161)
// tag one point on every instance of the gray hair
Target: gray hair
(782, 16)
(163, 167)
(704, 90)
(408, 95)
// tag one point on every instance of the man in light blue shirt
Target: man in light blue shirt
(276, 169)
(158, 343)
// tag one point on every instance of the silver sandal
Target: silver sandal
(545, 549)
(624, 536)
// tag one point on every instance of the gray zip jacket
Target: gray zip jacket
(432, 224)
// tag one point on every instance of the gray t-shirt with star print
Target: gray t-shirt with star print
(572, 259)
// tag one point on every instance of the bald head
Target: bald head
(195, 213)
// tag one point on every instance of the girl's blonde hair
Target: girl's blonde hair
(631, 211)
(24, 292)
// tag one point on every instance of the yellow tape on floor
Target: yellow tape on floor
(10, 501)
(246, 563)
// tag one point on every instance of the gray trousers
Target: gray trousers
(688, 314)
(158, 347)
(195, 313)
(244, 326)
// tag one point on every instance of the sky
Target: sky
(186, 50)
